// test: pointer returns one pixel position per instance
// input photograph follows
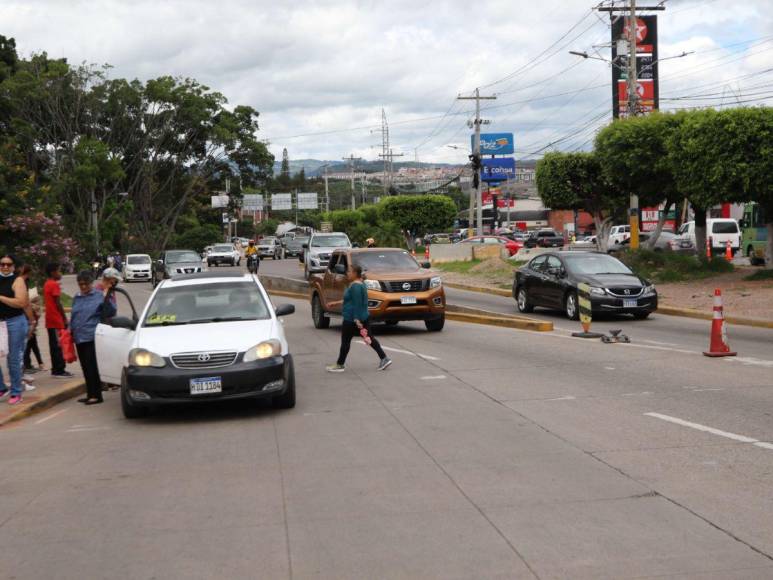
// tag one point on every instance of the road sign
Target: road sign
(219, 201)
(280, 201)
(497, 169)
(495, 143)
(307, 201)
(252, 202)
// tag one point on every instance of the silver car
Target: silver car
(316, 253)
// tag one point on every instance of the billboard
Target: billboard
(497, 169)
(494, 143)
(219, 201)
(252, 202)
(280, 201)
(307, 201)
(646, 64)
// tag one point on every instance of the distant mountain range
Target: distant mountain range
(314, 167)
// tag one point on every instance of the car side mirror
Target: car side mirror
(355, 245)
(426, 265)
(562, 273)
(284, 309)
(305, 246)
(339, 269)
(160, 262)
(743, 224)
(122, 322)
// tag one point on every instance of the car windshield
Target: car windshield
(200, 303)
(223, 249)
(385, 261)
(138, 260)
(595, 264)
(267, 241)
(300, 240)
(182, 256)
(330, 242)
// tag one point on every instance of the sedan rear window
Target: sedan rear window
(724, 228)
(200, 303)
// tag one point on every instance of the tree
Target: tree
(197, 238)
(576, 181)
(38, 239)
(417, 215)
(634, 159)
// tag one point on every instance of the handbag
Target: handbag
(3, 339)
(68, 346)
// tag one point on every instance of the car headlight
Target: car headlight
(373, 284)
(597, 291)
(139, 357)
(265, 349)
(314, 260)
(435, 282)
(649, 289)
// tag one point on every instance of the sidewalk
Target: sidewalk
(48, 390)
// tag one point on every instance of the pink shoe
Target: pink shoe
(14, 400)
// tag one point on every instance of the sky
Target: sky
(320, 72)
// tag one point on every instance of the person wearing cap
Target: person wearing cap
(370, 243)
(110, 279)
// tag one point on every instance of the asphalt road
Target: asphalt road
(482, 452)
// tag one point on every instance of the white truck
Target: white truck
(719, 231)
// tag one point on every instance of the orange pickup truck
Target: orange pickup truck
(398, 287)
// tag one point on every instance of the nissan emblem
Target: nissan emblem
(406, 286)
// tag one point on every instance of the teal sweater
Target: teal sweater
(356, 302)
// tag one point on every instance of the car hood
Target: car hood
(238, 336)
(612, 280)
(392, 276)
(323, 249)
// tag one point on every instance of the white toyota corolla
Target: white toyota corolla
(201, 337)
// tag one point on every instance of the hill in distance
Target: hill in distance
(314, 167)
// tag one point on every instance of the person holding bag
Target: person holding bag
(14, 300)
(355, 313)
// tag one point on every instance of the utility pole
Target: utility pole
(352, 160)
(633, 110)
(476, 161)
(389, 168)
(327, 193)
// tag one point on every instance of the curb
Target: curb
(503, 321)
(481, 289)
(68, 391)
(701, 315)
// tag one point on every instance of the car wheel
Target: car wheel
(131, 411)
(318, 314)
(435, 325)
(287, 399)
(571, 306)
(641, 315)
(522, 300)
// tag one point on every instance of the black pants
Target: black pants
(348, 331)
(87, 354)
(32, 348)
(57, 360)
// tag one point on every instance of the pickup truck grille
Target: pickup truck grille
(400, 286)
(203, 360)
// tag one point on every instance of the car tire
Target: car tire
(571, 306)
(287, 399)
(522, 301)
(435, 325)
(131, 411)
(641, 315)
(318, 314)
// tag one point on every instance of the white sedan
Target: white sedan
(137, 267)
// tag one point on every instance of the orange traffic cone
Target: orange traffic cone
(413, 252)
(708, 248)
(728, 252)
(426, 252)
(719, 346)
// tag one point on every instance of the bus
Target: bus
(754, 234)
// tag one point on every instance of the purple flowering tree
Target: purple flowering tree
(37, 239)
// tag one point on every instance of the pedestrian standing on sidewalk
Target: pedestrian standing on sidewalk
(88, 308)
(56, 320)
(33, 315)
(355, 313)
(13, 301)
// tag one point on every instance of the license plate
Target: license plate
(630, 303)
(685, 244)
(206, 385)
(408, 300)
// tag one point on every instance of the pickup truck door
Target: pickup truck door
(335, 284)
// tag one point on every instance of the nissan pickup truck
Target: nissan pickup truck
(399, 288)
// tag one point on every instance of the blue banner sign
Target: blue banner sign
(498, 169)
(495, 144)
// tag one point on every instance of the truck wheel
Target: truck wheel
(435, 325)
(318, 314)
(522, 300)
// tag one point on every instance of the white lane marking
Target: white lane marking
(705, 428)
(660, 343)
(713, 389)
(401, 351)
(566, 398)
(51, 416)
(609, 368)
(433, 378)
(637, 394)
(751, 361)
(764, 445)
(81, 429)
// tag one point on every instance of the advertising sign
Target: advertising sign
(307, 201)
(488, 198)
(646, 64)
(498, 169)
(252, 202)
(280, 201)
(219, 201)
(494, 143)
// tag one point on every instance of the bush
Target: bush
(199, 237)
(39, 240)
(672, 267)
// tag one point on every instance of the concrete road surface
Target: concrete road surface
(481, 453)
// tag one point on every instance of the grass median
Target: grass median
(671, 267)
(493, 272)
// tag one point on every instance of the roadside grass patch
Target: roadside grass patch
(459, 267)
(495, 271)
(671, 267)
(759, 276)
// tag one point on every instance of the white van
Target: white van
(718, 231)
(618, 234)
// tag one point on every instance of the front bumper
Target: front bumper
(136, 275)
(385, 306)
(265, 252)
(170, 385)
(646, 303)
(221, 259)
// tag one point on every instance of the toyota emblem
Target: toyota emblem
(406, 286)
(627, 291)
(203, 357)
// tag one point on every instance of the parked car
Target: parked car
(137, 267)
(437, 239)
(316, 253)
(544, 239)
(269, 247)
(666, 242)
(294, 246)
(550, 280)
(174, 263)
(719, 231)
(201, 337)
(618, 234)
(511, 245)
(224, 254)
(398, 287)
